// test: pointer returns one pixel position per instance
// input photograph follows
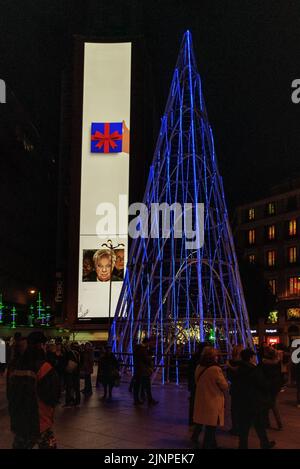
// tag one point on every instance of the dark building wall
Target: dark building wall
(27, 206)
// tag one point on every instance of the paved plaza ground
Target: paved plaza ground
(120, 425)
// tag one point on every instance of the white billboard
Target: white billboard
(104, 177)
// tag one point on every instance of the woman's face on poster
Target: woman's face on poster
(103, 268)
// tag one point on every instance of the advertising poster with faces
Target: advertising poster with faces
(104, 177)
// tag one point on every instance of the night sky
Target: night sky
(248, 53)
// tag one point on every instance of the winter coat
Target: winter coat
(232, 375)
(209, 398)
(142, 361)
(108, 369)
(33, 392)
(272, 372)
(252, 390)
(87, 366)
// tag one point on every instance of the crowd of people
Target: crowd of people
(42, 374)
(253, 382)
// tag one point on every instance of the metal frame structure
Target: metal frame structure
(174, 295)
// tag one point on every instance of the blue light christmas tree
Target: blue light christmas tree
(175, 294)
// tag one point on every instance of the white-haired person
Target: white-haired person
(104, 262)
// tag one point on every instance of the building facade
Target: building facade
(27, 208)
(268, 234)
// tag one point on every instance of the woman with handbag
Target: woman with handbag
(209, 398)
(108, 372)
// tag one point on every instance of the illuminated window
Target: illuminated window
(273, 285)
(293, 313)
(271, 208)
(273, 317)
(251, 236)
(271, 232)
(271, 258)
(294, 285)
(293, 227)
(251, 258)
(251, 213)
(292, 255)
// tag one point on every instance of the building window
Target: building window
(273, 286)
(293, 314)
(292, 227)
(271, 208)
(251, 259)
(251, 236)
(271, 232)
(294, 285)
(251, 214)
(271, 258)
(292, 254)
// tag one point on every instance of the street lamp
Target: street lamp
(109, 245)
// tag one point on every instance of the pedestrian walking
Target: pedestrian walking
(143, 369)
(209, 398)
(108, 372)
(253, 400)
(72, 376)
(232, 368)
(87, 368)
(33, 392)
(192, 365)
(271, 367)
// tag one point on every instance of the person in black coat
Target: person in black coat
(143, 369)
(108, 372)
(33, 392)
(252, 400)
(232, 368)
(192, 365)
(271, 367)
(72, 375)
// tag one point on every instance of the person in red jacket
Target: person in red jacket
(33, 392)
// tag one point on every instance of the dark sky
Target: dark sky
(248, 53)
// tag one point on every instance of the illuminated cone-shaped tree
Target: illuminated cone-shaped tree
(174, 292)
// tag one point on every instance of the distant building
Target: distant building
(268, 233)
(27, 207)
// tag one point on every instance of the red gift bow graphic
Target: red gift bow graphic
(107, 139)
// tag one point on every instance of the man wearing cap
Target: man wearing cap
(33, 392)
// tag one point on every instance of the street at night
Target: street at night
(117, 425)
(150, 229)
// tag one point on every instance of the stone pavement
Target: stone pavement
(120, 425)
